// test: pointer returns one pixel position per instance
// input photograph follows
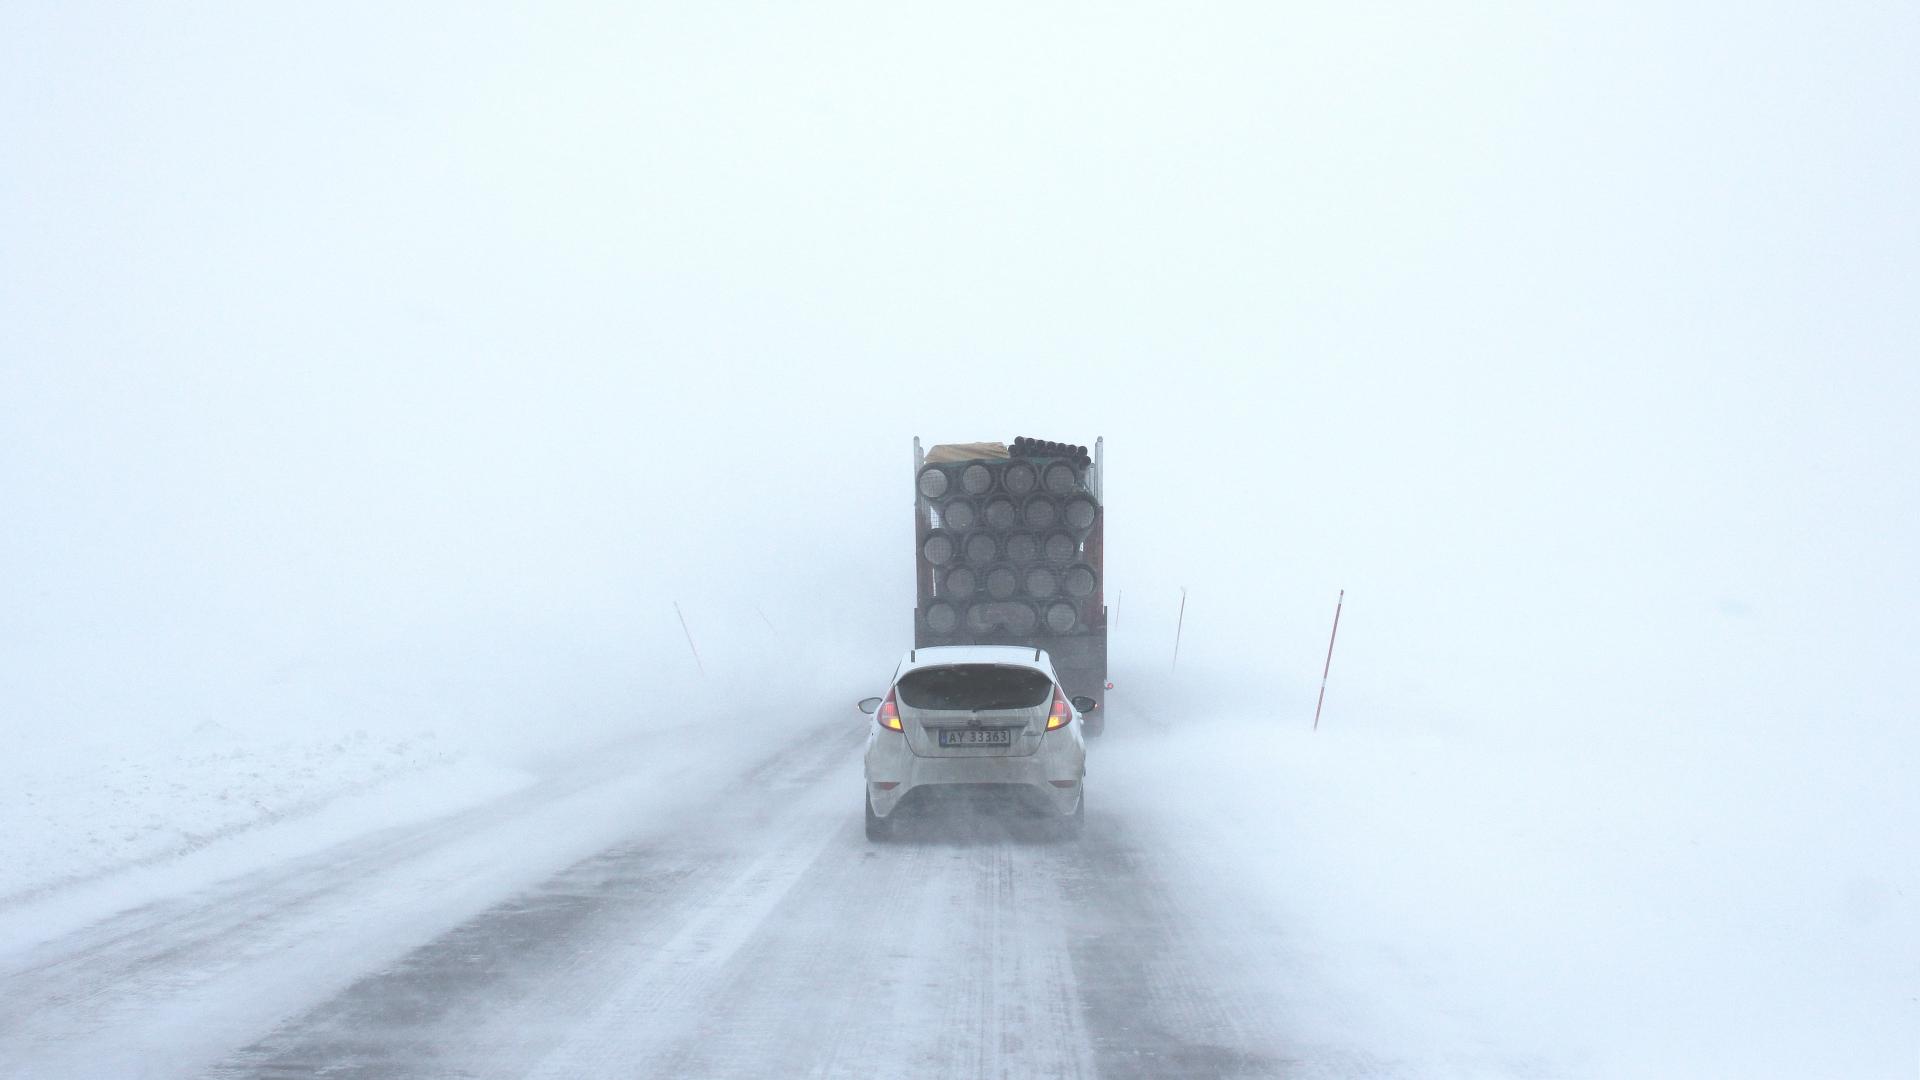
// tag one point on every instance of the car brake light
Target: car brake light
(889, 714)
(1062, 713)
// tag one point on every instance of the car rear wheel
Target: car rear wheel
(879, 829)
(1073, 827)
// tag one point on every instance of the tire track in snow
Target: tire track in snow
(169, 987)
(517, 984)
(772, 940)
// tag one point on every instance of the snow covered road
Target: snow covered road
(608, 923)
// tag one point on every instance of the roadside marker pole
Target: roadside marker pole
(691, 647)
(1179, 625)
(1337, 605)
(1117, 597)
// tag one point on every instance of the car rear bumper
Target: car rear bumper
(1049, 780)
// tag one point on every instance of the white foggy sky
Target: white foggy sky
(372, 346)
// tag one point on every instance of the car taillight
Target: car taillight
(889, 714)
(1062, 713)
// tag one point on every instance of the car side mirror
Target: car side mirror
(867, 705)
(1085, 703)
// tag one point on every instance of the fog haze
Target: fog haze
(387, 370)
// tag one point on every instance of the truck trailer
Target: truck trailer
(1009, 549)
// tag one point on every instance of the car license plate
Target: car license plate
(977, 737)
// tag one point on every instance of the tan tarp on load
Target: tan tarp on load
(966, 451)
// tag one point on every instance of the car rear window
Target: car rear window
(975, 686)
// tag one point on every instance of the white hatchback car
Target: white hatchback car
(988, 722)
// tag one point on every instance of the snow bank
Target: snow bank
(1635, 901)
(74, 812)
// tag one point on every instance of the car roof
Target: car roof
(942, 655)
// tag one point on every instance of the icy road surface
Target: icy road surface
(629, 921)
